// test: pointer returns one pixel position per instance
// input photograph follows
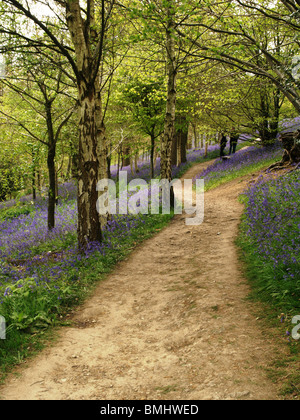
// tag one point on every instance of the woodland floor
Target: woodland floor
(172, 322)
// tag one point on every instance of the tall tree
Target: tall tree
(87, 26)
(39, 113)
(146, 101)
(172, 72)
(250, 37)
(158, 23)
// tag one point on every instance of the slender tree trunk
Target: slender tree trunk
(33, 179)
(152, 155)
(68, 172)
(108, 167)
(194, 145)
(206, 149)
(126, 156)
(184, 141)
(56, 186)
(178, 135)
(51, 165)
(102, 152)
(136, 158)
(174, 150)
(39, 181)
(179, 143)
(131, 166)
(108, 160)
(264, 117)
(52, 187)
(33, 174)
(169, 127)
(118, 163)
(275, 119)
(156, 155)
(74, 169)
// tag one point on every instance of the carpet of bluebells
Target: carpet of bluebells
(42, 269)
(239, 163)
(271, 228)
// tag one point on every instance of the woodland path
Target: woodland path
(172, 322)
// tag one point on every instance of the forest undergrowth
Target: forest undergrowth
(42, 275)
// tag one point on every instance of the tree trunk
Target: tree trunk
(52, 187)
(274, 123)
(136, 158)
(33, 175)
(56, 187)
(194, 144)
(108, 160)
(39, 181)
(285, 84)
(182, 134)
(131, 165)
(291, 145)
(156, 155)
(264, 111)
(68, 171)
(179, 143)
(174, 151)
(102, 148)
(89, 228)
(126, 156)
(118, 163)
(92, 145)
(108, 167)
(206, 149)
(152, 165)
(168, 134)
(51, 165)
(74, 169)
(184, 141)
(291, 155)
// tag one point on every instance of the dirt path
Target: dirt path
(171, 322)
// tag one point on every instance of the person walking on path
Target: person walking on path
(234, 138)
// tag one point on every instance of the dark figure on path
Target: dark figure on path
(234, 138)
(223, 143)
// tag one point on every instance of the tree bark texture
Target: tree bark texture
(291, 146)
(51, 166)
(89, 228)
(126, 156)
(179, 143)
(152, 163)
(92, 156)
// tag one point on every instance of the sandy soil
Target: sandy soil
(170, 322)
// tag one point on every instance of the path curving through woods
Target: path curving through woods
(170, 322)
